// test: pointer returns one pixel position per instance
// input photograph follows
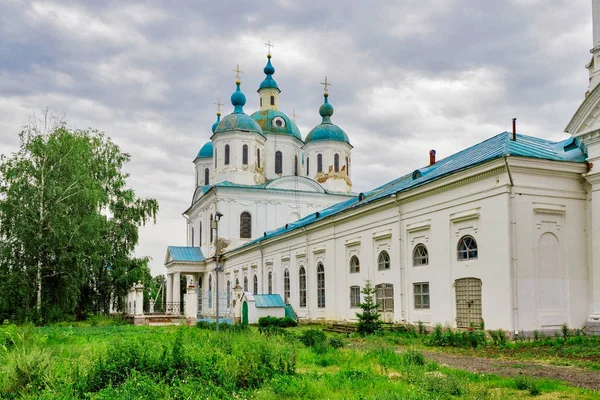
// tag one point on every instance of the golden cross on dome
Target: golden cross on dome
(294, 115)
(269, 44)
(238, 71)
(218, 104)
(326, 85)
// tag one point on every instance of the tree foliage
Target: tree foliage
(369, 319)
(68, 225)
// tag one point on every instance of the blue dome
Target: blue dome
(238, 99)
(268, 121)
(269, 82)
(214, 126)
(206, 151)
(327, 130)
(237, 121)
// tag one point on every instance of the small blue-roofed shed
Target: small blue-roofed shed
(254, 306)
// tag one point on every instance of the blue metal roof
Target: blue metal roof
(268, 300)
(264, 118)
(186, 253)
(326, 130)
(206, 151)
(498, 146)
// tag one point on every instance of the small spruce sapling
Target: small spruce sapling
(369, 320)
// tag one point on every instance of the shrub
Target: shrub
(565, 331)
(336, 343)
(28, 369)
(267, 324)
(369, 320)
(442, 385)
(498, 337)
(524, 383)
(413, 357)
(421, 328)
(312, 337)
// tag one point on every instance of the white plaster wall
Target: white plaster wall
(337, 182)
(201, 164)
(236, 172)
(290, 147)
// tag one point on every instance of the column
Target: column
(169, 293)
(176, 293)
(139, 299)
(594, 249)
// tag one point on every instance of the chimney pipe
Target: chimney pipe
(431, 157)
(514, 137)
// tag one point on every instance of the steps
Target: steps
(341, 328)
(592, 328)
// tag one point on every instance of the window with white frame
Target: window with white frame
(354, 265)
(384, 293)
(270, 282)
(421, 293)
(467, 248)
(245, 284)
(354, 296)
(420, 255)
(286, 285)
(302, 286)
(383, 260)
(320, 286)
(255, 287)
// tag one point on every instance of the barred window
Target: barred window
(245, 225)
(270, 278)
(286, 285)
(255, 288)
(245, 154)
(302, 286)
(420, 255)
(206, 176)
(296, 165)
(307, 166)
(384, 260)
(347, 166)
(320, 286)
(384, 293)
(200, 235)
(354, 296)
(421, 293)
(336, 162)
(354, 265)
(278, 162)
(320, 163)
(192, 236)
(258, 158)
(227, 151)
(210, 291)
(245, 284)
(467, 248)
(211, 228)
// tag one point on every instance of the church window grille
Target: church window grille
(296, 165)
(245, 154)
(210, 291)
(206, 176)
(384, 294)
(336, 162)
(255, 287)
(302, 286)
(320, 163)
(384, 260)
(270, 282)
(278, 162)
(347, 166)
(354, 265)
(258, 158)
(354, 296)
(211, 228)
(286, 285)
(467, 248)
(272, 100)
(245, 284)
(420, 255)
(228, 293)
(307, 166)
(245, 225)
(320, 286)
(421, 294)
(227, 151)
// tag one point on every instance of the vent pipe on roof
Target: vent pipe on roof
(514, 137)
(431, 157)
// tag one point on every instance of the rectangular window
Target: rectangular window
(384, 293)
(354, 296)
(421, 292)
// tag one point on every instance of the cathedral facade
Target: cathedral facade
(505, 233)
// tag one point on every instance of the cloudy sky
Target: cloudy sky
(407, 76)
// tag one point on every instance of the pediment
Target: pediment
(587, 117)
(296, 183)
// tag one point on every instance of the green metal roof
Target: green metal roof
(186, 253)
(268, 300)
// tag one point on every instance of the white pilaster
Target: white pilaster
(176, 291)
(594, 249)
(169, 288)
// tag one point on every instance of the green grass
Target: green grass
(111, 361)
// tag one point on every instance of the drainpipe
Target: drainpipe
(402, 270)
(513, 246)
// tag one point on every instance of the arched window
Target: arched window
(320, 163)
(347, 166)
(237, 282)
(258, 158)
(228, 293)
(245, 284)
(245, 225)
(192, 236)
(354, 264)
(383, 260)
(255, 288)
(245, 154)
(210, 291)
(467, 248)
(200, 235)
(261, 101)
(420, 255)
(320, 286)
(227, 150)
(286, 285)
(302, 286)
(270, 282)
(278, 162)
(215, 157)
(211, 228)
(272, 100)
(296, 165)
(336, 162)
(307, 166)
(206, 176)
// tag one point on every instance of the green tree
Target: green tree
(369, 319)
(68, 225)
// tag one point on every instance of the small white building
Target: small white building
(505, 232)
(255, 306)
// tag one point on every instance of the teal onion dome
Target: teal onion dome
(327, 130)
(206, 151)
(277, 123)
(238, 99)
(269, 82)
(214, 126)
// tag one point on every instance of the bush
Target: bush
(524, 383)
(498, 337)
(285, 322)
(336, 343)
(313, 337)
(413, 357)
(448, 337)
(435, 382)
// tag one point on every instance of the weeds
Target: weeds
(524, 383)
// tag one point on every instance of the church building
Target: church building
(505, 233)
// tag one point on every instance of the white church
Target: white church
(506, 232)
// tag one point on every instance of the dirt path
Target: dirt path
(576, 376)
